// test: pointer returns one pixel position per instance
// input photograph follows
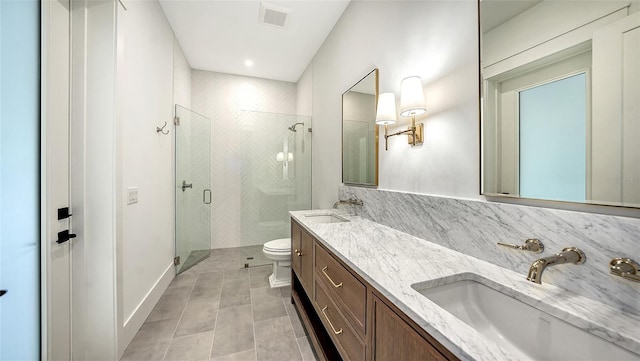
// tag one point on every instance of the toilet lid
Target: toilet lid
(278, 245)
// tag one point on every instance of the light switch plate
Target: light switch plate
(132, 195)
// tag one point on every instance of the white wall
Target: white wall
(436, 40)
(152, 72)
(221, 97)
(304, 92)
(181, 77)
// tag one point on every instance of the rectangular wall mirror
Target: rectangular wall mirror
(561, 100)
(360, 133)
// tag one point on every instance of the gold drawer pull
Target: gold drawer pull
(328, 320)
(324, 270)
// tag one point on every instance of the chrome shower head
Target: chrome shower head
(293, 127)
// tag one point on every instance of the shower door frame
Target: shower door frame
(181, 263)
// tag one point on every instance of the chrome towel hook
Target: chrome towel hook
(162, 130)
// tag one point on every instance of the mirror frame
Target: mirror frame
(375, 71)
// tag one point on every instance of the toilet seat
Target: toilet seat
(278, 246)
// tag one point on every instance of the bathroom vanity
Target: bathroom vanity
(368, 292)
(346, 317)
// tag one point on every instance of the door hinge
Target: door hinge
(176, 120)
(176, 261)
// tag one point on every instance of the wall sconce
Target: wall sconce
(386, 114)
(280, 157)
(411, 104)
(286, 158)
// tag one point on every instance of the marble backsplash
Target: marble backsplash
(474, 227)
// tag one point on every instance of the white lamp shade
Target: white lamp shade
(386, 113)
(412, 97)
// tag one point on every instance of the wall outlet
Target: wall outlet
(132, 195)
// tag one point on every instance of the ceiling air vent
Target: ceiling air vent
(273, 15)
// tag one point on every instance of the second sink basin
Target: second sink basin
(520, 329)
(324, 218)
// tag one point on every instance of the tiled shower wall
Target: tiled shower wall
(474, 227)
(249, 118)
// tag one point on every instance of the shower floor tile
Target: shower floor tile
(218, 310)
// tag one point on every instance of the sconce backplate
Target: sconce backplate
(419, 134)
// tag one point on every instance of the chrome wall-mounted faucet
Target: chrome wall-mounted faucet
(568, 255)
(352, 201)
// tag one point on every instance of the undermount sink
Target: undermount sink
(324, 218)
(520, 329)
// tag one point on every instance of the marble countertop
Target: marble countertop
(392, 261)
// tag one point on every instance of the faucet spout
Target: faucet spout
(352, 201)
(568, 255)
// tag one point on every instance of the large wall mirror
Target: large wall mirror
(561, 100)
(360, 133)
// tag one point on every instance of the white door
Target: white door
(56, 245)
(78, 151)
(19, 180)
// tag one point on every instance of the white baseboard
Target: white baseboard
(133, 323)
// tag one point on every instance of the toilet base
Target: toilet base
(281, 276)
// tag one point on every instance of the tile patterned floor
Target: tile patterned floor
(220, 311)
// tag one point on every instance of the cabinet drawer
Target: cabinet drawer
(342, 283)
(350, 346)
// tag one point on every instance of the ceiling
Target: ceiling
(221, 36)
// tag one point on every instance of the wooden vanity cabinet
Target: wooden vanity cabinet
(302, 255)
(342, 286)
(347, 318)
(296, 240)
(392, 338)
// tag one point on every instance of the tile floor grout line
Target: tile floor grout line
(292, 330)
(215, 326)
(180, 318)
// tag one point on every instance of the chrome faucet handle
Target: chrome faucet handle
(532, 245)
(625, 268)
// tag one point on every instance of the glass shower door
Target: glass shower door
(193, 188)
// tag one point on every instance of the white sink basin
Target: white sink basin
(524, 331)
(324, 218)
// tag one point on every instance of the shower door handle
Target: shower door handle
(186, 185)
(204, 196)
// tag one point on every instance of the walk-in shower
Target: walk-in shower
(271, 176)
(237, 177)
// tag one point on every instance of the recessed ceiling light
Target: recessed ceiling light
(248, 63)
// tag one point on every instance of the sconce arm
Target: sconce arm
(406, 131)
(411, 131)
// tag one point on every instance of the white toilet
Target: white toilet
(279, 251)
